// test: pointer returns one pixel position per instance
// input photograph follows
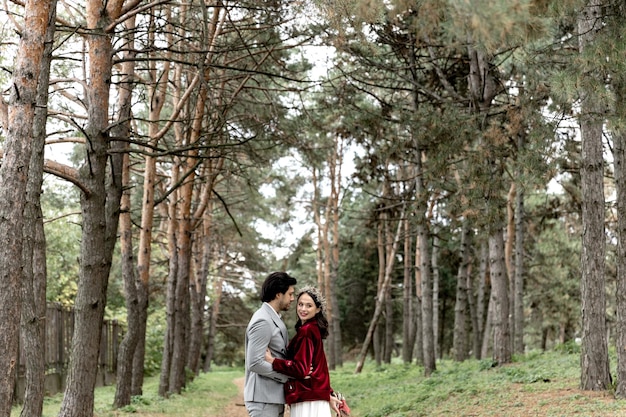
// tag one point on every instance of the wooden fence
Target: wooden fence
(59, 331)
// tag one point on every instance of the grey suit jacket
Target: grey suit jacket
(262, 383)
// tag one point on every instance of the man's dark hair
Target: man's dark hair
(276, 283)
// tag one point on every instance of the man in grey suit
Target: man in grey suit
(263, 390)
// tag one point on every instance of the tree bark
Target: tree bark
(126, 353)
(500, 287)
(170, 308)
(471, 301)
(129, 342)
(335, 165)
(436, 307)
(215, 311)
(100, 212)
(388, 339)
(380, 298)
(518, 296)
(419, 326)
(418, 348)
(509, 244)
(595, 373)
(408, 314)
(14, 184)
(382, 228)
(481, 316)
(487, 334)
(619, 158)
(156, 93)
(387, 334)
(178, 326)
(33, 323)
(206, 260)
(461, 306)
(423, 241)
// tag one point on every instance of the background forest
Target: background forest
(450, 173)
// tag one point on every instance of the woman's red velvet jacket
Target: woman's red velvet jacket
(305, 352)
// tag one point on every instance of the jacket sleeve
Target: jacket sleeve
(300, 366)
(259, 335)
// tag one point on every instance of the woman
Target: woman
(308, 393)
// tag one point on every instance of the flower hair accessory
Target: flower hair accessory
(316, 295)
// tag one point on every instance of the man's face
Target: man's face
(285, 300)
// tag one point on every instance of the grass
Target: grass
(207, 395)
(537, 384)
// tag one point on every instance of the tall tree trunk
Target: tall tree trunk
(181, 313)
(428, 332)
(419, 327)
(198, 289)
(518, 296)
(168, 339)
(198, 293)
(509, 242)
(461, 306)
(594, 361)
(202, 221)
(389, 341)
(180, 322)
(156, 93)
(208, 251)
(382, 266)
(14, 182)
(326, 287)
(387, 335)
(100, 212)
(408, 314)
(335, 165)
(324, 256)
(483, 88)
(172, 227)
(215, 311)
(129, 342)
(380, 297)
(480, 294)
(487, 333)
(471, 301)
(436, 307)
(419, 344)
(33, 323)
(500, 287)
(423, 261)
(619, 158)
(126, 352)
(423, 241)
(204, 262)
(179, 228)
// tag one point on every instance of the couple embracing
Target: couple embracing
(280, 371)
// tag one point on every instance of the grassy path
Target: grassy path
(537, 384)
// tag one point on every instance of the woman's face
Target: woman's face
(306, 307)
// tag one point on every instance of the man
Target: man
(263, 389)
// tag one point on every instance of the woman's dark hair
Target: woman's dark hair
(276, 283)
(320, 317)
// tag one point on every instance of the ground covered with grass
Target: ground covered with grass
(208, 395)
(537, 384)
